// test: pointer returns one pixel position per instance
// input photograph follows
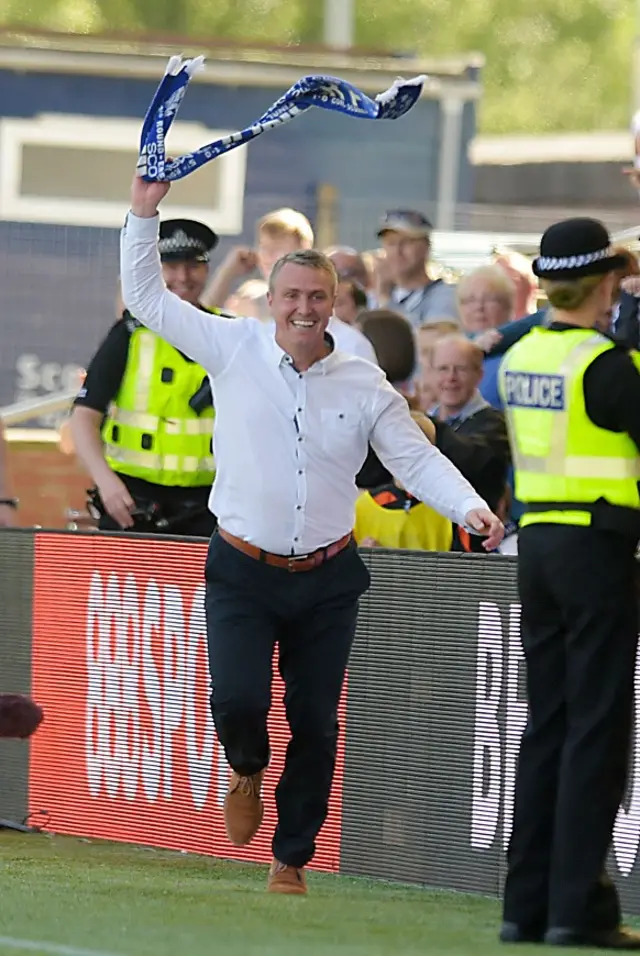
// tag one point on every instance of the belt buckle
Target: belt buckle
(294, 559)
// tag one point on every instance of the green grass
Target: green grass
(131, 901)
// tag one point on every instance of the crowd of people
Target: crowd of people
(441, 343)
(393, 308)
(439, 340)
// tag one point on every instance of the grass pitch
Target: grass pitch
(68, 897)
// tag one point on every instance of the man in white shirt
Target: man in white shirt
(346, 337)
(294, 418)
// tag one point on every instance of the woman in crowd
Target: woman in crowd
(486, 299)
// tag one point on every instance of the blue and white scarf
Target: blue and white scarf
(327, 92)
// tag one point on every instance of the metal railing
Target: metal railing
(32, 408)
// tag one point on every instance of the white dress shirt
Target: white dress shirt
(288, 444)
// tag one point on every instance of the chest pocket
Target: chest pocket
(341, 431)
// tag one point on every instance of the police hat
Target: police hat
(574, 248)
(185, 239)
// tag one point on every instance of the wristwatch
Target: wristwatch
(10, 502)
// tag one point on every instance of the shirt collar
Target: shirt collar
(280, 357)
(475, 404)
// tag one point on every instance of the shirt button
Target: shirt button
(298, 507)
(300, 438)
(300, 375)
(296, 539)
(299, 411)
(301, 472)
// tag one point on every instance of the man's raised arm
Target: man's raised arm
(207, 339)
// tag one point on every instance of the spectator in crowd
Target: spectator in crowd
(392, 336)
(468, 431)
(519, 270)
(461, 424)
(625, 320)
(486, 299)
(393, 340)
(351, 299)
(403, 282)
(7, 503)
(278, 233)
(427, 335)
(247, 300)
(386, 514)
(350, 265)
(389, 517)
(142, 424)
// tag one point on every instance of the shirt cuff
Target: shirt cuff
(138, 227)
(471, 504)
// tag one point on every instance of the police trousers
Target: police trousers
(310, 616)
(579, 634)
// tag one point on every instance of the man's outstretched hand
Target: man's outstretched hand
(484, 522)
(146, 197)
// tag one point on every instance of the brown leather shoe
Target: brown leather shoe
(286, 879)
(243, 808)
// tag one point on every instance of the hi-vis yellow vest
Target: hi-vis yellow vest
(418, 529)
(150, 431)
(559, 455)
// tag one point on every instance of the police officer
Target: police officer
(573, 410)
(143, 420)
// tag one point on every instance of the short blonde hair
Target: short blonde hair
(440, 327)
(311, 259)
(286, 222)
(568, 295)
(493, 276)
(475, 353)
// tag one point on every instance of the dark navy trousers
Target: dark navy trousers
(311, 616)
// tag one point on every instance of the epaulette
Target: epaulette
(130, 321)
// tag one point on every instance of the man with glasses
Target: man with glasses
(468, 431)
(403, 282)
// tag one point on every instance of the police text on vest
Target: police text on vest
(530, 390)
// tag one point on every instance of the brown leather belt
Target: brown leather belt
(304, 562)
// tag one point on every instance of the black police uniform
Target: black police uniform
(579, 633)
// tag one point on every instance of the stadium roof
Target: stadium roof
(246, 64)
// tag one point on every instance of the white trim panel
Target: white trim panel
(96, 133)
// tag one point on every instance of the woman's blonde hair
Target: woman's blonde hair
(495, 277)
(570, 294)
